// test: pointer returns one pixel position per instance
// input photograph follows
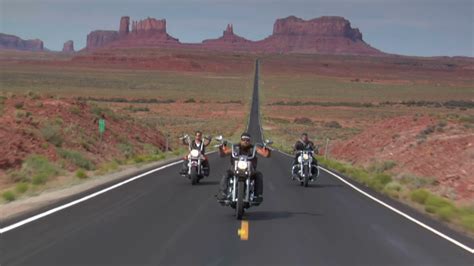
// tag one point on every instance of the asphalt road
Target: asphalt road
(161, 219)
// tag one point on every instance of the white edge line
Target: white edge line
(75, 202)
(427, 227)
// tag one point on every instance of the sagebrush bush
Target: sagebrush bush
(8, 196)
(77, 159)
(21, 187)
(52, 133)
(81, 173)
(419, 196)
(37, 169)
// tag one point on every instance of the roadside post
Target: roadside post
(326, 149)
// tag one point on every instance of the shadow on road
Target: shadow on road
(325, 186)
(208, 183)
(274, 215)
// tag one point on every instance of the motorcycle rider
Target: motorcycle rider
(196, 144)
(244, 147)
(301, 145)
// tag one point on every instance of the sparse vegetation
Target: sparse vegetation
(37, 169)
(8, 196)
(333, 124)
(76, 158)
(21, 187)
(303, 120)
(52, 133)
(81, 173)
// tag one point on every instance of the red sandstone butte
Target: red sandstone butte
(68, 47)
(8, 41)
(326, 35)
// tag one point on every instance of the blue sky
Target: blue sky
(409, 27)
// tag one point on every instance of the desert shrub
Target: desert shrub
(126, 149)
(21, 187)
(378, 181)
(303, 121)
(52, 133)
(81, 173)
(75, 110)
(446, 213)
(134, 109)
(33, 95)
(8, 196)
(419, 196)
(433, 203)
(416, 182)
(107, 167)
(98, 111)
(382, 167)
(76, 158)
(37, 169)
(393, 189)
(332, 124)
(190, 100)
(425, 132)
(468, 222)
(19, 105)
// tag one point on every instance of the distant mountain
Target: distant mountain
(8, 41)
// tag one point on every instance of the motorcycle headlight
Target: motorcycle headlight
(242, 165)
(194, 153)
(305, 156)
(300, 159)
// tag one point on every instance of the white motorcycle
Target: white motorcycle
(195, 162)
(305, 170)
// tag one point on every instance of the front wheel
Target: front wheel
(306, 176)
(194, 176)
(239, 209)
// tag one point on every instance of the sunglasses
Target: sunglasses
(245, 139)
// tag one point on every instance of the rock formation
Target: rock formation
(124, 25)
(100, 38)
(149, 25)
(328, 35)
(228, 41)
(8, 41)
(68, 47)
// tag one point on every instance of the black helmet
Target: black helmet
(245, 135)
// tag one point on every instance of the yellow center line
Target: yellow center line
(243, 232)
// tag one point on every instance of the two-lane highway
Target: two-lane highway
(160, 219)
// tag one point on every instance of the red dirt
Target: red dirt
(446, 155)
(20, 135)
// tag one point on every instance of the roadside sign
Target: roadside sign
(101, 126)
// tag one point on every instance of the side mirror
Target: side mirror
(219, 138)
(268, 142)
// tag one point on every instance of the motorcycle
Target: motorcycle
(305, 168)
(195, 162)
(241, 187)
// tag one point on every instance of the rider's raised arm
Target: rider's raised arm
(224, 150)
(207, 141)
(264, 152)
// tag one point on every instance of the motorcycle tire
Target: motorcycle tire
(194, 176)
(239, 210)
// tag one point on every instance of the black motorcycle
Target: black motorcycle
(241, 187)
